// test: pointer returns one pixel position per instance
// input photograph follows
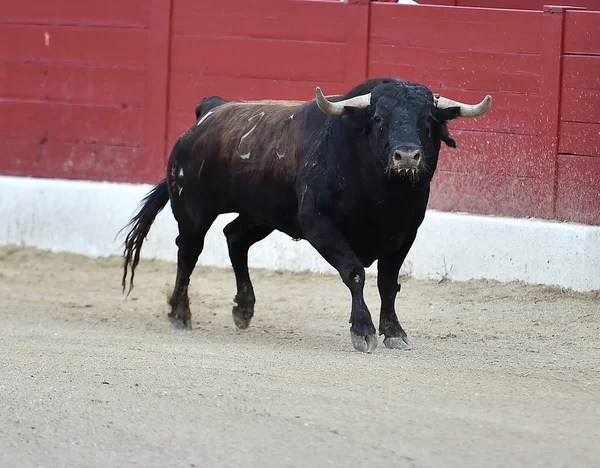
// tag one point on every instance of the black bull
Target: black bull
(350, 174)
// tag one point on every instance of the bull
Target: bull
(350, 174)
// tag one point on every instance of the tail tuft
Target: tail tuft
(140, 224)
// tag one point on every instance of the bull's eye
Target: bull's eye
(426, 126)
(377, 119)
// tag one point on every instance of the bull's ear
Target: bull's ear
(445, 136)
(449, 113)
(451, 142)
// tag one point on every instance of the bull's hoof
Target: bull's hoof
(397, 342)
(242, 316)
(364, 344)
(180, 322)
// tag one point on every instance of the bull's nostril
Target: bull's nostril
(397, 155)
(417, 157)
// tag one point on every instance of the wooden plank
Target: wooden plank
(74, 83)
(494, 31)
(580, 138)
(580, 105)
(118, 13)
(263, 20)
(457, 69)
(491, 194)
(20, 157)
(66, 44)
(259, 58)
(187, 89)
(582, 32)
(99, 162)
(70, 122)
(24, 120)
(578, 193)
(521, 4)
(503, 4)
(75, 161)
(581, 71)
(495, 153)
(438, 2)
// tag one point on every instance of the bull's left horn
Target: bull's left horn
(338, 108)
(466, 110)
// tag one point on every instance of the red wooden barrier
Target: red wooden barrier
(244, 53)
(471, 53)
(102, 90)
(578, 176)
(76, 85)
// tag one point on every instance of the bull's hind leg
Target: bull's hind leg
(241, 234)
(190, 243)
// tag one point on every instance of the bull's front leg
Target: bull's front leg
(388, 269)
(331, 244)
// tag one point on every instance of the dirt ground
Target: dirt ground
(500, 374)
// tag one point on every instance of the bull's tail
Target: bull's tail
(140, 225)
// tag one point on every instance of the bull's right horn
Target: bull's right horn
(466, 110)
(338, 108)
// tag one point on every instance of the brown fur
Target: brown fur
(274, 135)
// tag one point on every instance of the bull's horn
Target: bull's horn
(337, 108)
(466, 110)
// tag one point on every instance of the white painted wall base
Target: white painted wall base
(84, 217)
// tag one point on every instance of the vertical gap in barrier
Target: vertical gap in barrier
(550, 89)
(157, 100)
(357, 43)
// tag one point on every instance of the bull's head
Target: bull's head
(404, 125)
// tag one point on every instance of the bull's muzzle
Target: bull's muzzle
(407, 158)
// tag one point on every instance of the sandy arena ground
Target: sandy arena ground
(500, 374)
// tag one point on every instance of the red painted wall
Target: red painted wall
(118, 82)
(465, 54)
(578, 165)
(76, 82)
(246, 52)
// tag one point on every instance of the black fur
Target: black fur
(335, 181)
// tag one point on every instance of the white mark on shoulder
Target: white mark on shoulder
(245, 135)
(291, 117)
(204, 117)
(47, 39)
(180, 190)
(180, 172)
(280, 155)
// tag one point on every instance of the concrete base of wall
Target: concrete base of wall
(84, 217)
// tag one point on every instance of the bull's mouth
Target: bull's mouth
(411, 172)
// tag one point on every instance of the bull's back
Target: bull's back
(248, 154)
(252, 139)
